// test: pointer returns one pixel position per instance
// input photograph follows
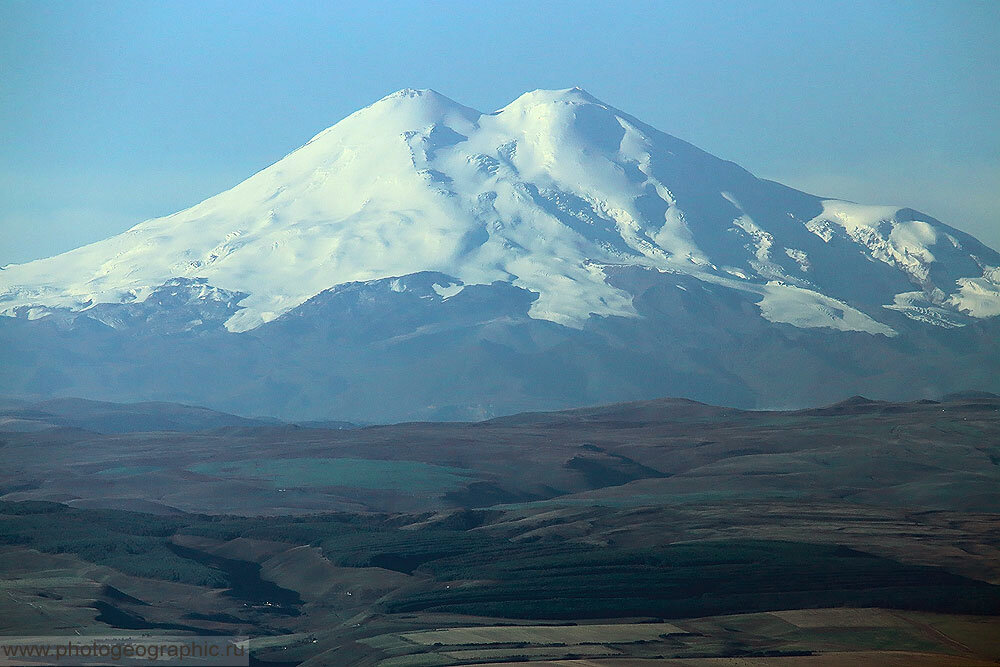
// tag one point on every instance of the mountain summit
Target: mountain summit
(581, 208)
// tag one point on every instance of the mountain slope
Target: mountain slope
(420, 259)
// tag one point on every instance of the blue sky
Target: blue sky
(114, 112)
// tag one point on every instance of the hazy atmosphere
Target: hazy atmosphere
(115, 112)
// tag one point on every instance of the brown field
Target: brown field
(477, 655)
(842, 618)
(545, 634)
(853, 659)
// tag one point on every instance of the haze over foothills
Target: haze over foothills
(113, 113)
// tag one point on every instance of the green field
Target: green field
(127, 471)
(564, 581)
(410, 476)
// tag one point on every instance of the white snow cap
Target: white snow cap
(542, 193)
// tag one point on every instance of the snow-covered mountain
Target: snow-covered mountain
(544, 194)
(584, 210)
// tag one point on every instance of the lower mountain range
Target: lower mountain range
(394, 349)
